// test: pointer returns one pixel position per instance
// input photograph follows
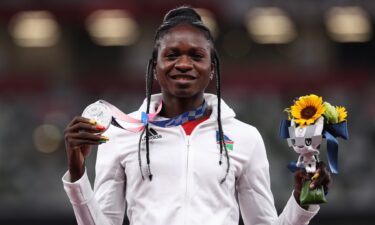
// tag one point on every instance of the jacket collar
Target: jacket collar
(211, 99)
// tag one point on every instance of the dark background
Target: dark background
(42, 88)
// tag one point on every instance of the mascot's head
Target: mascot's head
(306, 139)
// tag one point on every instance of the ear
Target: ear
(319, 126)
(292, 123)
(212, 72)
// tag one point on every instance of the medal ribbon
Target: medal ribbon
(150, 118)
(183, 118)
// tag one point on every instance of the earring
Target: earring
(212, 75)
(155, 77)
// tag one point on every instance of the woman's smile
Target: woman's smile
(183, 77)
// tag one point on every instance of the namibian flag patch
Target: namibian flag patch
(227, 141)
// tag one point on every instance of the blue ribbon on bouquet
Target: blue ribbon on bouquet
(283, 130)
(330, 133)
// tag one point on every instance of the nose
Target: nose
(184, 64)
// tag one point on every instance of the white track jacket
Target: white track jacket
(185, 189)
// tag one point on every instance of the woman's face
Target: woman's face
(183, 65)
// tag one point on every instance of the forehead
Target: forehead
(184, 35)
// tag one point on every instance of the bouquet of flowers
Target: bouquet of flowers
(310, 120)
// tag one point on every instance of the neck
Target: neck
(173, 106)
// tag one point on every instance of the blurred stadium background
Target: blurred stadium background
(58, 56)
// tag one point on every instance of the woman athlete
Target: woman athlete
(194, 164)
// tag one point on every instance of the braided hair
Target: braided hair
(175, 17)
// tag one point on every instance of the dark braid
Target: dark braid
(221, 133)
(139, 153)
(182, 15)
(149, 83)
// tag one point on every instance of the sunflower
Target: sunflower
(307, 109)
(342, 113)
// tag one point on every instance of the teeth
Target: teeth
(181, 77)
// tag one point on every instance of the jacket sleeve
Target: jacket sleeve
(256, 199)
(105, 205)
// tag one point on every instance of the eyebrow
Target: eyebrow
(173, 48)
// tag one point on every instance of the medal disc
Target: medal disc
(99, 112)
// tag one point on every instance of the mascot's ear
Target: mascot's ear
(319, 124)
(292, 123)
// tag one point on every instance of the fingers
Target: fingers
(78, 119)
(326, 182)
(83, 124)
(82, 131)
(76, 143)
(316, 175)
(84, 138)
(321, 177)
(315, 179)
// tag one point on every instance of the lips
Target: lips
(183, 77)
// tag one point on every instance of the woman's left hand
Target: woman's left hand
(321, 177)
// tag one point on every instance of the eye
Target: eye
(293, 142)
(308, 141)
(171, 56)
(197, 57)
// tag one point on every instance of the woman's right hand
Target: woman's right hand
(80, 134)
(321, 177)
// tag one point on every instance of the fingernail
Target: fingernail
(92, 121)
(100, 127)
(316, 175)
(102, 141)
(104, 138)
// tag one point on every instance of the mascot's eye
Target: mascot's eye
(293, 142)
(308, 141)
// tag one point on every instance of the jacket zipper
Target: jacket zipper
(187, 175)
(187, 181)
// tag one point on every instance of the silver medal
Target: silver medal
(99, 112)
